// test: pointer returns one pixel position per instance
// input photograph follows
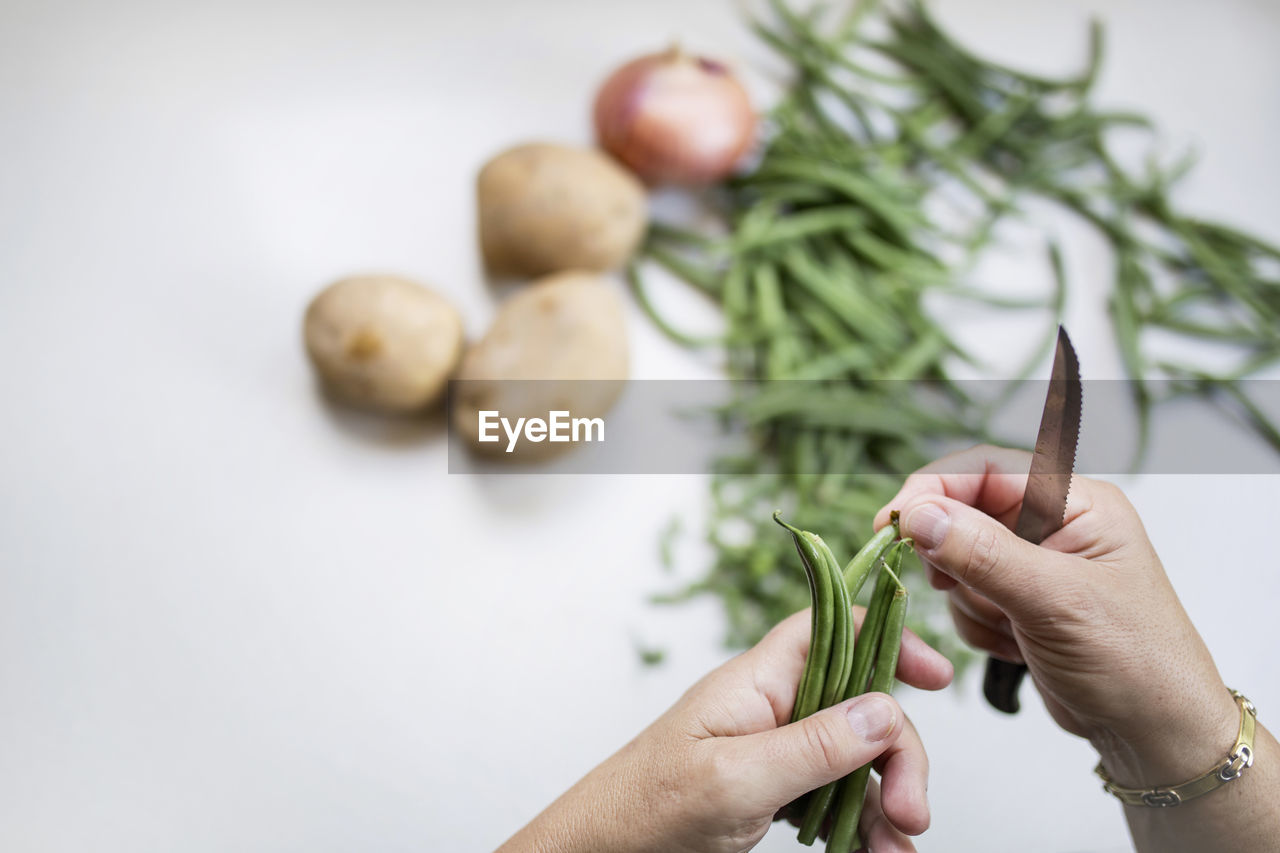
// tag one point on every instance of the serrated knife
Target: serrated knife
(1044, 503)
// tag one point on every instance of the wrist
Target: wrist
(594, 815)
(1172, 741)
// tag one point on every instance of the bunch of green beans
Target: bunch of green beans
(831, 251)
(840, 666)
(1177, 276)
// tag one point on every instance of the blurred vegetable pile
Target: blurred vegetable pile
(886, 168)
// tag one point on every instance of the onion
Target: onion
(675, 118)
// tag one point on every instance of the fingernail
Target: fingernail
(927, 525)
(872, 718)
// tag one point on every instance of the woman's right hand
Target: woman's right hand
(1090, 611)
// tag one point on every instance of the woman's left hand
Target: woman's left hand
(711, 774)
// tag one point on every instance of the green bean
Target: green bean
(804, 458)
(848, 809)
(914, 262)
(954, 85)
(1050, 335)
(683, 236)
(841, 303)
(807, 223)
(826, 329)
(841, 458)
(868, 643)
(1249, 411)
(813, 683)
(920, 18)
(1256, 362)
(889, 211)
(813, 56)
(993, 127)
(859, 568)
(737, 292)
(813, 666)
(866, 652)
(881, 324)
(666, 542)
(917, 359)
(706, 280)
(1229, 332)
(1254, 414)
(851, 358)
(770, 307)
(1124, 316)
(871, 414)
(1226, 276)
(1226, 232)
(641, 294)
(841, 631)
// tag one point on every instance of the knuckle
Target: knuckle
(983, 555)
(987, 457)
(1110, 493)
(720, 775)
(1112, 501)
(1079, 610)
(825, 747)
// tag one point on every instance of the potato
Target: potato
(383, 342)
(547, 208)
(564, 327)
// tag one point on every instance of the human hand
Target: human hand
(1090, 611)
(711, 774)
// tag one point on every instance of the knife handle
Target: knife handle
(1001, 682)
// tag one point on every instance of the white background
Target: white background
(234, 619)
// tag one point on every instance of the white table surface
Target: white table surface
(233, 619)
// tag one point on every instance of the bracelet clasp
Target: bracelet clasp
(1241, 759)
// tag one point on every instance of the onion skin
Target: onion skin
(675, 118)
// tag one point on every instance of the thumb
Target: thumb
(981, 553)
(779, 765)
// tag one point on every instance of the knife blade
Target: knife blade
(1044, 503)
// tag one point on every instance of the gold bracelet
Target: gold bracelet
(1239, 760)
